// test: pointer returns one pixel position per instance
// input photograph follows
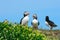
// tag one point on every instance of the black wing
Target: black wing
(52, 23)
(38, 23)
(21, 20)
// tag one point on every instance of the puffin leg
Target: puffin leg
(51, 28)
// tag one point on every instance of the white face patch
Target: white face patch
(26, 13)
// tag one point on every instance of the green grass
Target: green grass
(14, 31)
(9, 31)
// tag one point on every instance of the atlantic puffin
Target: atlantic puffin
(35, 23)
(25, 19)
(50, 23)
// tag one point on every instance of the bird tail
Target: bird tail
(55, 25)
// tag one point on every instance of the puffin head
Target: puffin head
(47, 18)
(35, 16)
(26, 13)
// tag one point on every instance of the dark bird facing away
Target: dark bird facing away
(35, 22)
(25, 19)
(50, 23)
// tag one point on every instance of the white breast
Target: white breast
(25, 20)
(47, 24)
(35, 21)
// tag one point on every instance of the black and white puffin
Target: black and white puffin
(50, 23)
(25, 19)
(35, 22)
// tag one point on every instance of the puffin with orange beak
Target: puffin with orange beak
(25, 19)
(35, 22)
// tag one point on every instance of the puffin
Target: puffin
(50, 23)
(35, 23)
(25, 19)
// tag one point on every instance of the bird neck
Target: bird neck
(35, 19)
(47, 19)
(25, 15)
